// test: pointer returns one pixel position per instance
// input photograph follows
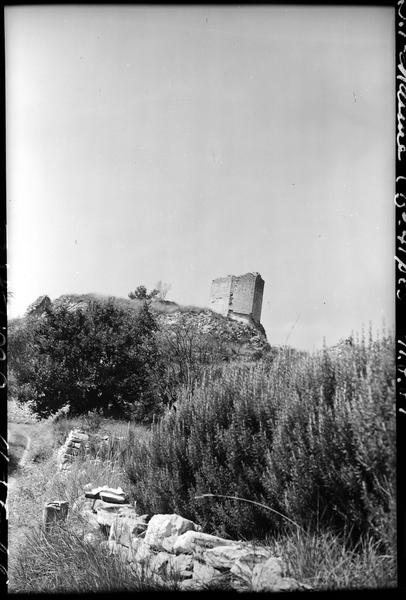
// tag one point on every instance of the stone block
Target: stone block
(205, 574)
(106, 516)
(158, 563)
(107, 494)
(242, 568)
(191, 585)
(192, 540)
(180, 566)
(126, 526)
(78, 436)
(163, 530)
(225, 557)
(55, 511)
(267, 577)
(112, 497)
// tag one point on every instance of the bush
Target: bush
(193, 341)
(185, 353)
(96, 357)
(312, 437)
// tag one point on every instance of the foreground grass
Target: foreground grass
(63, 561)
(40, 481)
(326, 561)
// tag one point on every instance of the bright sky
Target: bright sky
(187, 143)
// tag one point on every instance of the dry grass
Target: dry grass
(62, 561)
(326, 561)
(40, 481)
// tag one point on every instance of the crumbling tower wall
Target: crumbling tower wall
(238, 297)
(220, 295)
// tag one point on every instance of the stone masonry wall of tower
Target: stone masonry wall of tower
(242, 290)
(220, 295)
(238, 296)
(258, 295)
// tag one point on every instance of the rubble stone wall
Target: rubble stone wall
(168, 548)
(77, 442)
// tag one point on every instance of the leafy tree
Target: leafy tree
(96, 357)
(19, 353)
(140, 293)
(19, 347)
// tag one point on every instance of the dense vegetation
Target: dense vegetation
(308, 440)
(311, 437)
(98, 356)
(126, 358)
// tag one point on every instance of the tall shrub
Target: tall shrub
(312, 437)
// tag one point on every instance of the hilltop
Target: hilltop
(246, 341)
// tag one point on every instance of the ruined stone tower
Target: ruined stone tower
(238, 297)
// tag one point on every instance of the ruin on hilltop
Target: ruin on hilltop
(238, 297)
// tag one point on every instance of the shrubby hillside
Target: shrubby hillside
(248, 440)
(124, 357)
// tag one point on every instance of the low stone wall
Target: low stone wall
(168, 548)
(77, 442)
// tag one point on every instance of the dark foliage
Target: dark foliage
(98, 356)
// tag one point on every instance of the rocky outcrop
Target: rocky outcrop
(244, 340)
(38, 307)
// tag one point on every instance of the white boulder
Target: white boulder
(189, 585)
(106, 513)
(225, 557)
(191, 540)
(267, 577)
(242, 568)
(163, 530)
(127, 525)
(205, 574)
